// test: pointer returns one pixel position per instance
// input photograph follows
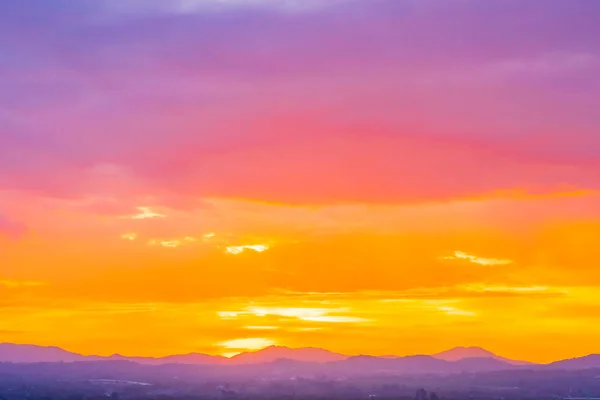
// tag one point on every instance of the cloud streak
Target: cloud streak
(259, 248)
(461, 255)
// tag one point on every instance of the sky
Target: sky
(367, 176)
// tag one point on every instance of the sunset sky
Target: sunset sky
(367, 176)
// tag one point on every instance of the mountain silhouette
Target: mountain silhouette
(309, 359)
(586, 362)
(273, 353)
(28, 353)
(480, 364)
(191, 358)
(461, 353)
(419, 364)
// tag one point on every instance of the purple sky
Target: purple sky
(197, 93)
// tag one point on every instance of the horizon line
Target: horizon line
(344, 355)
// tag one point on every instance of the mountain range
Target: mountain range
(458, 359)
(27, 353)
(460, 353)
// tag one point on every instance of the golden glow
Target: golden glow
(300, 313)
(303, 314)
(361, 278)
(247, 344)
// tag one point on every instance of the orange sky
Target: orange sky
(515, 275)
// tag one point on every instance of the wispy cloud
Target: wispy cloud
(259, 248)
(515, 289)
(147, 213)
(129, 236)
(229, 314)
(172, 243)
(325, 315)
(334, 319)
(460, 255)
(457, 311)
(168, 243)
(261, 327)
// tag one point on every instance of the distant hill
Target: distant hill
(273, 353)
(461, 353)
(420, 364)
(410, 364)
(20, 353)
(192, 358)
(481, 364)
(28, 353)
(590, 361)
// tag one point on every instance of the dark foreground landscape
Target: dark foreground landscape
(354, 378)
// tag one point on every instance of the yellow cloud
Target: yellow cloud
(228, 314)
(512, 289)
(171, 243)
(456, 311)
(129, 236)
(460, 255)
(261, 328)
(259, 248)
(308, 329)
(301, 313)
(334, 319)
(146, 213)
(290, 312)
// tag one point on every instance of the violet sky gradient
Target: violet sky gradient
(340, 101)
